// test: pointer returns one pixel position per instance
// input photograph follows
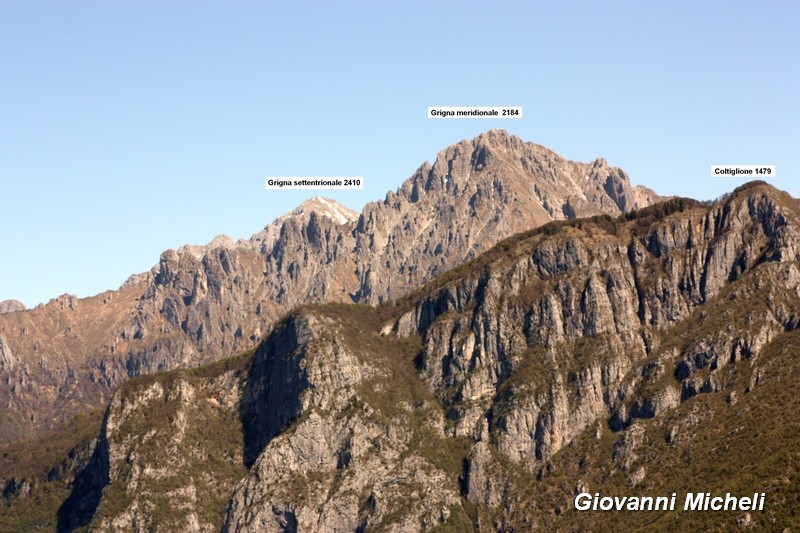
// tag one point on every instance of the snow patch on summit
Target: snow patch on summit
(336, 211)
(325, 207)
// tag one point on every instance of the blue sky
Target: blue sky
(127, 128)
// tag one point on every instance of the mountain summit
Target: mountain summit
(200, 303)
(324, 207)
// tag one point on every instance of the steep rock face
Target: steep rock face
(7, 360)
(200, 303)
(339, 457)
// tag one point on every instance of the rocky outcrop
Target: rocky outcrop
(11, 306)
(7, 360)
(200, 303)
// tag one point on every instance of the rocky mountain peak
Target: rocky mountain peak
(320, 205)
(326, 208)
(499, 138)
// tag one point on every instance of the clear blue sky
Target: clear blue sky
(127, 128)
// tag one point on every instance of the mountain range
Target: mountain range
(505, 331)
(201, 303)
